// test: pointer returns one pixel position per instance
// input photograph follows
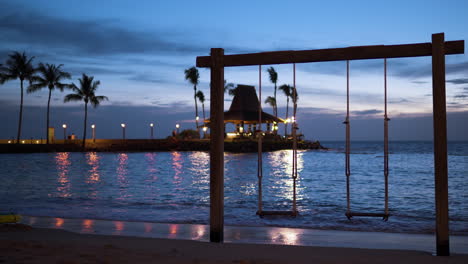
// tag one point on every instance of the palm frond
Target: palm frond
(72, 98)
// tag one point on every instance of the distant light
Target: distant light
(64, 126)
(231, 134)
(151, 125)
(37, 141)
(196, 118)
(93, 126)
(123, 125)
(204, 129)
(177, 125)
(9, 141)
(241, 129)
(22, 141)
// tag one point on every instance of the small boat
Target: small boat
(10, 218)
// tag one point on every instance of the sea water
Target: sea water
(173, 187)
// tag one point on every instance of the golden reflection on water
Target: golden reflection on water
(87, 226)
(59, 222)
(200, 167)
(177, 166)
(152, 169)
(281, 163)
(284, 236)
(119, 227)
(122, 172)
(62, 161)
(92, 159)
(173, 230)
(148, 227)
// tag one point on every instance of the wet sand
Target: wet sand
(24, 244)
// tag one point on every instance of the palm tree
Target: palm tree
(287, 89)
(271, 101)
(228, 87)
(274, 79)
(192, 75)
(201, 97)
(86, 93)
(294, 98)
(50, 76)
(18, 66)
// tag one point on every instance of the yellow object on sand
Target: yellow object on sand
(11, 218)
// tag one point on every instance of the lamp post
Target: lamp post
(123, 130)
(204, 131)
(93, 126)
(152, 130)
(64, 132)
(177, 128)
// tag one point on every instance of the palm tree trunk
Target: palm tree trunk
(196, 106)
(85, 120)
(48, 111)
(287, 112)
(203, 106)
(275, 108)
(20, 121)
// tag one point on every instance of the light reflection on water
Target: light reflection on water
(63, 163)
(173, 187)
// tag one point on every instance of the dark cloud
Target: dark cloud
(147, 77)
(458, 81)
(367, 112)
(419, 82)
(399, 101)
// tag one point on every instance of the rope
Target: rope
(294, 134)
(348, 145)
(259, 133)
(386, 119)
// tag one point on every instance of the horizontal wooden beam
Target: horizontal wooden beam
(339, 54)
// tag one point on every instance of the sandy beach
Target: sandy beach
(24, 244)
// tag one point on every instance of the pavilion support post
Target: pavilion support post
(217, 146)
(440, 145)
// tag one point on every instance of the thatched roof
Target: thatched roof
(244, 108)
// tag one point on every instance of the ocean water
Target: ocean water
(173, 187)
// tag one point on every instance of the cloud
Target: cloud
(367, 112)
(147, 77)
(458, 81)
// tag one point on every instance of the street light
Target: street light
(152, 127)
(177, 127)
(93, 126)
(123, 130)
(64, 131)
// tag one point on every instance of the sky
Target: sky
(140, 49)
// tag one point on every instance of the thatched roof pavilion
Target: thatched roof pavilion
(244, 108)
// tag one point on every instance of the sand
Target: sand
(24, 244)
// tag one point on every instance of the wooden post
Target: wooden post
(217, 146)
(440, 145)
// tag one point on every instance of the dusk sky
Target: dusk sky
(139, 50)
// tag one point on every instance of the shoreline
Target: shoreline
(148, 145)
(23, 244)
(250, 234)
(241, 225)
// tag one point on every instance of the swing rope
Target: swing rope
(386, 119)
(294, 134)
(259, 134)
(348, 146)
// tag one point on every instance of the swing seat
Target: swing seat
(278, 213)
(383, 215)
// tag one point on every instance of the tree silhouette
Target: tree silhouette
(228, 87)
(85, 93)
(201, 98)
(18, 66)
(287, 89)
(192, 75)
(50, 76)
(271, 101)
(273, 79)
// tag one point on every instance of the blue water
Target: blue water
(174, 186)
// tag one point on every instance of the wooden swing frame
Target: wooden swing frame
(438, 48)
